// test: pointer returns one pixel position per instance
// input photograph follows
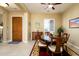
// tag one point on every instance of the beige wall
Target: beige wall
(40, 17)
(71, 13)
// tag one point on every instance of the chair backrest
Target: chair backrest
(38, 35)
(51, 36)
(65, 37)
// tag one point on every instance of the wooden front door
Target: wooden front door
(17, 29)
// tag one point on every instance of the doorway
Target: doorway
(16, 29)
(1, 28)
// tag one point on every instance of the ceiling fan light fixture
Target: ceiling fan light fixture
(3, 4)
(50, 6)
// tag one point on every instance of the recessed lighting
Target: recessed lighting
(1, 27)
(3, 4)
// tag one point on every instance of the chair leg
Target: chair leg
(61, 54)
(66, 48)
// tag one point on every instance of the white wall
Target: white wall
(4, 14)
(1, 21)
(71, 13)
(25, 27)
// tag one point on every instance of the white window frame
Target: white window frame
(53, 24)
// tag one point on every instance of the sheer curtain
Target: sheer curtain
(49, 25)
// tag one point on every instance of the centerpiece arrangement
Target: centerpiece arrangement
(60, 30)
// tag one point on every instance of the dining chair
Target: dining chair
(42, 46)
(41, 43)
(56, 49)
(65, 38)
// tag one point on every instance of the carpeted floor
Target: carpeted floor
(36, 51)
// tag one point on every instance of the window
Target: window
(49, 25)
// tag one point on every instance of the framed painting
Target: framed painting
(74, 23)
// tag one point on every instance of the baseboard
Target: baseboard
(72, 49)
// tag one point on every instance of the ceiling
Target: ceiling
(12, 7)
(38, 8)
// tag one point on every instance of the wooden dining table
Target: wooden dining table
(57, 40)
(58, 44)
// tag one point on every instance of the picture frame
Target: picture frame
(74, 23)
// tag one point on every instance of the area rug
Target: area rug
(35, 50)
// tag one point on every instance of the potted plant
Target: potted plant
(60, 30)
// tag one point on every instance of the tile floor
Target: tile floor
(21, 49)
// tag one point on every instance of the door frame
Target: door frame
(12, 28)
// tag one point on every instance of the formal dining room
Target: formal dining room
(39, 29)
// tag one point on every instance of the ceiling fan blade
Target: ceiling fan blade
(56, 3)
(46, 3)
(7, 4)
(51, 3)
(43, 3)
(53, 8)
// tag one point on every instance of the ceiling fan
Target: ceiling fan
(7, 4)
(4, 4)
(51, 5)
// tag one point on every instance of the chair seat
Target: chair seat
(52, 48)
(54, 40)
(65, 44)
(41, 44)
